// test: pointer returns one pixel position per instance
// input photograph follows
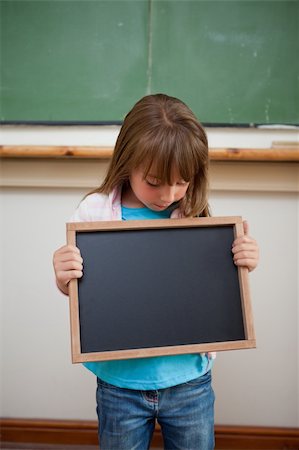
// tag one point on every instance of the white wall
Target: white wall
(261, 386)
(253, 387)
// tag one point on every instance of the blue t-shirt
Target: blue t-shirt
(156, 372)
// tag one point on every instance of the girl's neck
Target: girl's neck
(129, 199)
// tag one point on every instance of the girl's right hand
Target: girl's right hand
(68, 264)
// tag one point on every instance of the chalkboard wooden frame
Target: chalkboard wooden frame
(215, 226)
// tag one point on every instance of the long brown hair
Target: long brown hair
(163, 130)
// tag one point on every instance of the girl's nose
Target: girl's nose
(168, 194)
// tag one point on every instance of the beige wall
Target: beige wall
(253, 387)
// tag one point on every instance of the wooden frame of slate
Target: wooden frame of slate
(158, 287)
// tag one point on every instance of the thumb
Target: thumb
(246, 227)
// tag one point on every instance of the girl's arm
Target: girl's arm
(245, 250)
(68, 264)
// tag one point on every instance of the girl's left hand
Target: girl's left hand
(245, 250)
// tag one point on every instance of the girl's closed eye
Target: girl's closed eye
(154, 182)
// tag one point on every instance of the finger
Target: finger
(250, 263)
(244, 246)
(245, 255)
(248, 257)
(75, 274)
(66, 253)
(70, 264)
(243, 241)
(246, 227)
(66, 270)
(67, 249)
(70, 256)
(65, 277)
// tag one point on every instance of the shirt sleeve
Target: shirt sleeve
(82, 212)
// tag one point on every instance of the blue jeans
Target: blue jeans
(185, 413)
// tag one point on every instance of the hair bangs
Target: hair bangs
(161, 152)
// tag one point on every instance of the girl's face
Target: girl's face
(149, 191)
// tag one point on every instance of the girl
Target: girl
(159, 169)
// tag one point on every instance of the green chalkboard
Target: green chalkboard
(231, 61)
(72, 60)
(85, 61)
